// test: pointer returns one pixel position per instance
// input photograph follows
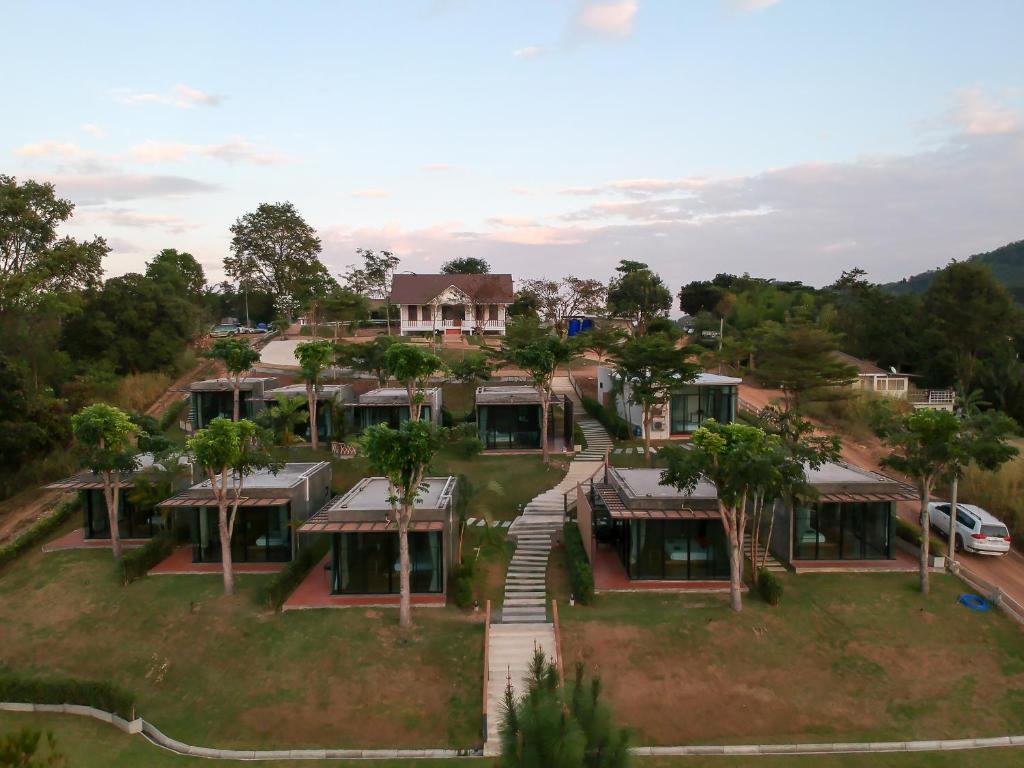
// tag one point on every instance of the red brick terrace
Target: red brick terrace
(315, 592)
(180, 564)
(901, 563)
(76, 540)
(610, 576)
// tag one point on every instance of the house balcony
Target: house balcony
(452, 326)
(936, 399)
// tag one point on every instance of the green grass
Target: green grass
(234, 675)
(844, 657)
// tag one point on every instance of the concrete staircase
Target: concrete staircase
(771, 564)
(510, 651)
(598, 440)
(525, 594)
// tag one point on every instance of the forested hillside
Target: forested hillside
(1006, 263)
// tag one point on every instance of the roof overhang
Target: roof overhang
(185, 500)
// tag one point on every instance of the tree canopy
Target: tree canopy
(465, 265)
(558, 300)
(638, 294)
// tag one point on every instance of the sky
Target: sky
(784, 138)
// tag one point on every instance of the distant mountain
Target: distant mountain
(1006, 263)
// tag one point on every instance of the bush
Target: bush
(912, 534)
(581, 577)
(769, 586)
(447, 420)
(467, 447)
(135, 563)
(37, 532)
(65, 690)
(171, 415)
(615, 424)
(578, 438)
(277, 590)
(463, 591)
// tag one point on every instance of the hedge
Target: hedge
(135, 563)
(38, 531)
(463, 587)
(578, 437)
(580, 574)
(769, 586)
(615, 424)
(912, 534)
(65, 690)
(287, 580)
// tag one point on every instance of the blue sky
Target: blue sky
(793, 138)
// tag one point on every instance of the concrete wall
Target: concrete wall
(585, 521)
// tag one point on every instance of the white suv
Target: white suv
(976, 530)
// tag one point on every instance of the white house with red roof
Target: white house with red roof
(452, 304)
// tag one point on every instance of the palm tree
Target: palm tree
(285, 416)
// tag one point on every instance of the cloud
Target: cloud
(638, 187)
(436, 167)
(610, 19)
(123, 217)
(94, 189)
(49, 148)
(529, 52)
(371, 194)
(753, 5)
(520, 190)
(180, 96)
(235, 150)
(93, 130)
(975, 115)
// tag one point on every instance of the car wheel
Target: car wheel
(958, 543)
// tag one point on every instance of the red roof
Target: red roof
(422, 289)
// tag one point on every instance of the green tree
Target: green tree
(238, 358)
(21, 749)
(701, 296)
(413, 367)
(638, 295)
(528, 347)
(745, 465)
(972, 312)
(370, 357)
(473, 367)
(799, 358)
(284, 417)
(273, 249)
(227, 452)
(312, 291)
(559, 300)
(314, 357)
(466, 265)
(33, 260)
(374, 278)
(179, 269)
(343, 305)
(603, 339)
(105, 435)
(524, 304)
(402, 456)
(652, 367)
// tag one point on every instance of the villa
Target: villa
(452, 304)
(390, 405)
(891, 383)
(333, 412)
(214, 397)
(509, 418)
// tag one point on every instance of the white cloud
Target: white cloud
(180, 96)
(236, 150)
(50, 148)
(753, 5)
(371, 194)
(93, 130)
(123, 217)
(976, 115)
(529, 52)
(96, 188)
(520, 191)
(436, 167)
(610, 18)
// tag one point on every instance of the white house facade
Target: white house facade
(452, 304)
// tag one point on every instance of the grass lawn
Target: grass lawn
(845, 657)
(219, 671)
(490, 551)
(89, 744)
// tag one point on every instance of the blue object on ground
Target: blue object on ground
(974, 602)
(261, 326)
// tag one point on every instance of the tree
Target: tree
(314, 357)
(402, 456)
(370, 357)
(539, 354)
(652, 367)
(105, 435)
(473, 367)
(552, 725)
(311, 293)
(273, 249)
(701, 296)
(284, 416)
(374, 278)
(800, 359)
(227, 452)
(238, 358)
(603, 339)
(638, 295)
(344, 305)
(178, 269)
(744, 463)
(925, 447)
(412, 367)
(558, 300)
(972, 311)
(525, 303)
(33, 261)
(466, 265)
(20, 749)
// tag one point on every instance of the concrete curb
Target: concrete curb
(153, 734)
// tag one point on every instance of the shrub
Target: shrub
(467, 447)
(37, 532)
(580, 574)
(769, 586)
(615, 424)
(65, 690)
(277, 590)
(912, 534)
(171, 415)
(463, 591)
(135, 563)
(447, 420)
(578, 437)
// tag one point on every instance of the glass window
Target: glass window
(413, 312)
(964, 519)
(846, 531)
(677, 550)
(997, 531)
(369, 563)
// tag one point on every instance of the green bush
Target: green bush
(769, 586)
(463, 591)
(170, 416)
(581, 577)
(912, 534)
(65, 690)
(447, 420)
(615, 424)
(578, 437)
(39, 531)
(278, 588)
(135, 563)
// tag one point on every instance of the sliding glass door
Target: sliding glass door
(843, 531)
(368, 563)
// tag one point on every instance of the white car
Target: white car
(976, 530)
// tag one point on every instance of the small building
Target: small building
(709, 396)
(872, 378)
(452, 304)
(214, 397)
(364, 558)
(272, 504)
(390, 405)
(333, 411)
(850, 521)
(509, 418)
(133, 521)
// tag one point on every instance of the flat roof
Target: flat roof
(712, 379)
(225, 384)
(510, 394)
(646, 483)
(843, 473)
(371, 495)
(390, 395)
(323, 392)
(288, 476)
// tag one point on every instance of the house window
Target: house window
(368, 563)
(842, 531)
(261, 534)
(492, 312)
(413, 313)
(676, 550)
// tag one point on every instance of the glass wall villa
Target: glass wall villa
(261, 534)
(692, 405)
(132, 521)
(672, 550)
(392, 415)
(854, 530)
(368, 563)
(511, 426)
